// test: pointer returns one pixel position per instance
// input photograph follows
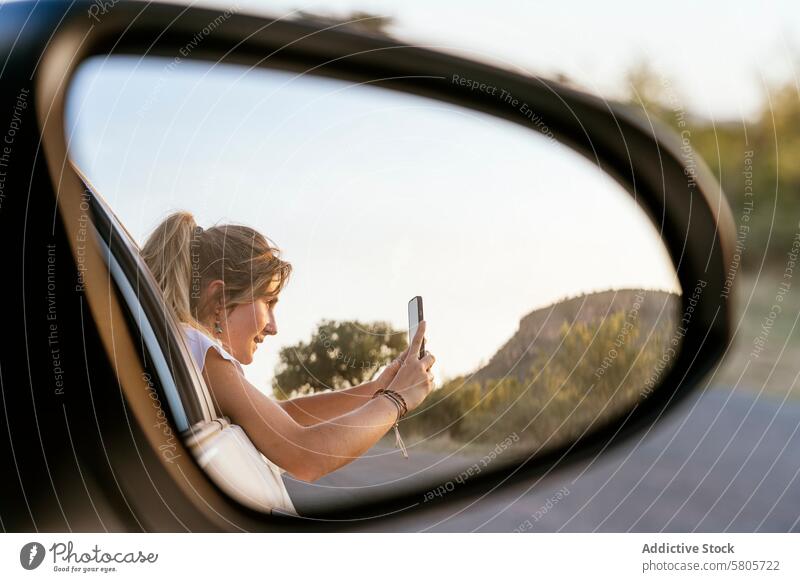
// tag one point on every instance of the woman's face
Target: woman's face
(246, 326)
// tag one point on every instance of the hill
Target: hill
(539, 331)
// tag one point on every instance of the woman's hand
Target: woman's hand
(414, 380)
(389, 372)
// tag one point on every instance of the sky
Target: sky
(373, 196)
(376, 197)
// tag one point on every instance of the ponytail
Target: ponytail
(168, 254)
(185, 259)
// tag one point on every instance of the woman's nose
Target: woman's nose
(271, 328)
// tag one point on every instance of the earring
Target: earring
(217, 326)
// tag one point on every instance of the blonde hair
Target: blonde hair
(185, 258)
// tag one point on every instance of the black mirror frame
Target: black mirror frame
(678, 190)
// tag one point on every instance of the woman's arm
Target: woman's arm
(316, 408)
(324, 406)
(309, 452)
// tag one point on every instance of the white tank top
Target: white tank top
(199, 344)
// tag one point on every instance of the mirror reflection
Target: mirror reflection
(549, 299)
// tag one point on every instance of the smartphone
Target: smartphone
(414, 317)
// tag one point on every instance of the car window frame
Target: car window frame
(158, 330)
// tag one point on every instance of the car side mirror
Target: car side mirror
(576, 357)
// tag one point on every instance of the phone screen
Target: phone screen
(414, 317)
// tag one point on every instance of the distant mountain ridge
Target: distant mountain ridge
(539, 331)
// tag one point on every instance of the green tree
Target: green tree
(754, 159)
(340, 354)
(365, 22)
(654, 95)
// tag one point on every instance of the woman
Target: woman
(223, 284)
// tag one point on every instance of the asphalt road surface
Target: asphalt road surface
(725, 461)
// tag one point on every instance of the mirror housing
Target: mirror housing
(652, 163)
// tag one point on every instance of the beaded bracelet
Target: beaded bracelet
(397, 397)
(402, 409)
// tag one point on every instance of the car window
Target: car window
(190, 403)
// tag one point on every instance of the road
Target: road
(725, 461)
